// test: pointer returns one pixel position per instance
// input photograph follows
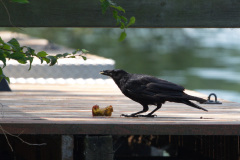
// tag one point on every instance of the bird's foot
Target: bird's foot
(134, 115)
(148, 115)
(127, 115)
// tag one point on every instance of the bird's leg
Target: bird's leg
(145, 109)
(151, 113)
(158, 107)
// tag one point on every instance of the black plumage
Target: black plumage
(149, 90)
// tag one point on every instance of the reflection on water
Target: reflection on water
(206, 60)
(225, 74)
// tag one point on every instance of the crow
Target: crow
(149, 90)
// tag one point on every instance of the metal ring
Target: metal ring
(212, 94)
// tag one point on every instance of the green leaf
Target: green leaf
(122, 36)
(53, 60)
(31, 51)
(17, 56)
(115, 14)
(7, 54)
(20, 1)
(2, 58)
(14, 44)
(131, 22)
(22, 61)
(7, 78)
(122, 25)
(85, 51)
(41, 60)
(6, 47)
(1, 72)
(84, 58)
(104, 4)
(3, 76)
(118, 20)
(65, 54)
(59, 55)
(124, 19)
(46, 59)
(30, 60)
(1, 41)
(42, 54)
(118, 8)
(74, 52)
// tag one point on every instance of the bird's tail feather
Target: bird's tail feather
(187, 102)
(200, 100)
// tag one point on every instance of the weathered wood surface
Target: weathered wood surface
(148, 13)
(66, 109)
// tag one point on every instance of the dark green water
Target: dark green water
(206, 60)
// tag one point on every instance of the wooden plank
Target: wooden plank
(154, 13)
(122, 129)
(66, 109)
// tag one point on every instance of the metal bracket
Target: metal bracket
(209, 101)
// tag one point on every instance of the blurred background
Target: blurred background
(204, 60)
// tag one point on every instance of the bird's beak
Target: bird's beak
(106, 72)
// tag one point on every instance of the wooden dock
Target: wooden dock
(60, 115)
(66, 109)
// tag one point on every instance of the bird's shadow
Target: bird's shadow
(170, 118)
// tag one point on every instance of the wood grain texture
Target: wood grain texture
(66, 109)
(153, 13)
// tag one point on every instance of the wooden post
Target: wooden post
(67, 147)
(98, 148)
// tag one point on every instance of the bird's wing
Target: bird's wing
(158, 85)
(151, 87)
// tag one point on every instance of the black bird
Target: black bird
(149, 90)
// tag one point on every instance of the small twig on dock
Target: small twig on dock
(16, 136)
(6, 138)
(5, 133)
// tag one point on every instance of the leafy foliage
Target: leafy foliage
(118, 12)
(24, 54)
